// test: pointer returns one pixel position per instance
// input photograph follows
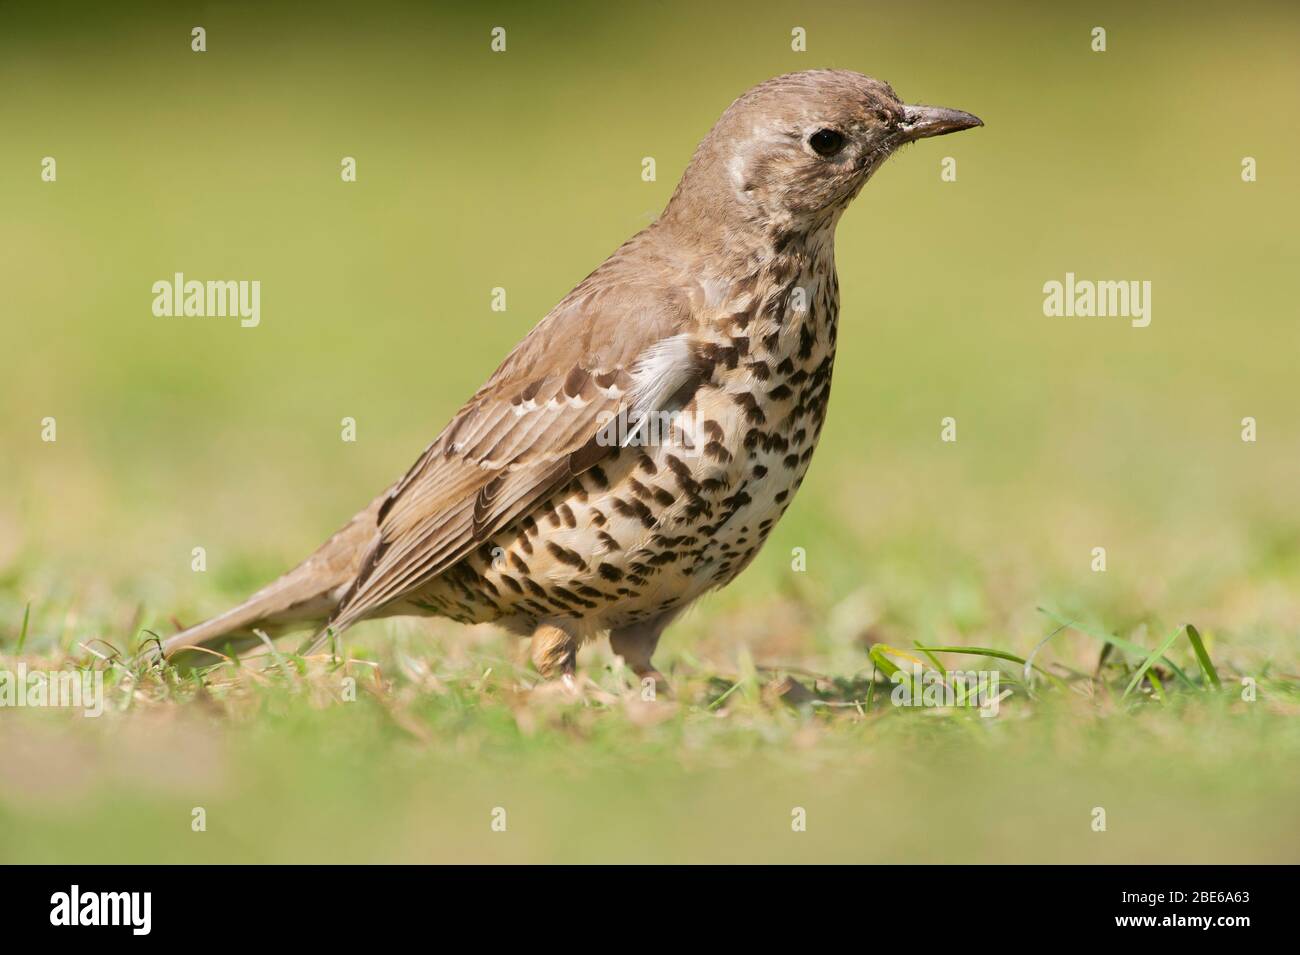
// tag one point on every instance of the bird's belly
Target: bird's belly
(654, 526)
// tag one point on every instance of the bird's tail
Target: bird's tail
(304, 597)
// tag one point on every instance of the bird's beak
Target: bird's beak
(920, 122)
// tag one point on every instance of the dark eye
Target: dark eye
(826, 142)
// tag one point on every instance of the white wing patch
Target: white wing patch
(658, 373)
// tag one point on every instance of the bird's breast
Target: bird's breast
(657, 522)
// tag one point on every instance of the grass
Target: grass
(404, 751)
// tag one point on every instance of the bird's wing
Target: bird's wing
(605, 351)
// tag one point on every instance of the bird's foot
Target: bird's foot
(554, 652)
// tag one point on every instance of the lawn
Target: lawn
(417, 753)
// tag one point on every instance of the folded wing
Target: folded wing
(605, 351)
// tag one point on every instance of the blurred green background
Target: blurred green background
(522, 170)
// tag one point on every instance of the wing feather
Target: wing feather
(606, 350)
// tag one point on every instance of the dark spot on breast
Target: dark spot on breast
(639, 489)
(753, 413)
(566, 556)
(570, 597)
(715, 450)
(806, 340)
(721, 354)
(635, 509)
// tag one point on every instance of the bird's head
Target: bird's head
(791, 153)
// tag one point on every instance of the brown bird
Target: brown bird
(638, 446)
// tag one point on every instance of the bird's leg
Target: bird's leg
(636, 645)
(554, 651)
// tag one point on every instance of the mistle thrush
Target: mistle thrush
(638, 446)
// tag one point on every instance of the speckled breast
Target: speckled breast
(653, 526)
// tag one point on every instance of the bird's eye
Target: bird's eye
(826, 142)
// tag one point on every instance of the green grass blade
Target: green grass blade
(931, 657)
(995, 654)
(882, 648)
(877, 656)
(1157, 686)
(1202, 657)
(1029, 660)
(977, 652)
(22, 634)
(1146, 664)
(730, 690)
(1119, 642)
